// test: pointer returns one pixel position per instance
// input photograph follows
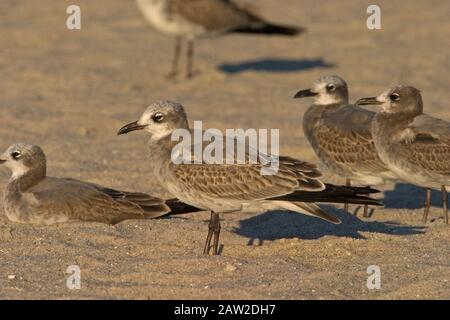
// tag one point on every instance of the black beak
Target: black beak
(305, 93)
(133, 126)
(368, 101)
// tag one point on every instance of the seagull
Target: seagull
(231, 187)
(340, 134)
(33, 197)
(193, 19)
(415, 146)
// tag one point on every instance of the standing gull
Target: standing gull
(192, 19)
(415, 146)
(340, 134)
(226, 188)
(33, 197)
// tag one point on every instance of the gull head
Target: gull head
(159, 120)
(326, 90)
(397, 100)
(22, 158)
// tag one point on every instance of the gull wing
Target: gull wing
(84, 201)
(426, 143)
(345, 136)
(218, 15)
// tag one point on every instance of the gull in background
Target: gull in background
(227, 188)
(193, 19)
(340, 134)
(33, 197)
(415, 146)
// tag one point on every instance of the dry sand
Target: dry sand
(69, 91)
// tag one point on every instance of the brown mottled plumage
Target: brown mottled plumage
(340, 134)
(415, 146)
(228, 187)
(33, 197)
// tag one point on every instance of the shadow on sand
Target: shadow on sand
(274, 65)
(274, 225)
(408, 196)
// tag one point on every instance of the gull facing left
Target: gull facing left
(231, 187)
(340, 134)
(194, 19)
(415, 146)
(33, 197)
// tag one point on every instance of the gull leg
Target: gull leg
(173, 73)
(348, 183)
(426, 209)
(366, 211)
(190, 58)
(213, 230)
(216, 234)
(445, 203)
(209, 236)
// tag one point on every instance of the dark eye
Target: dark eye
(16, 155)
(158, 117)
(331, 87)
(394, 97)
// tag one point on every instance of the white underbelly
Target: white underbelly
(170, 25)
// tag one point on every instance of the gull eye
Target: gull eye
(16, 155)
(158, 117)
(394, 97)
(331, 87)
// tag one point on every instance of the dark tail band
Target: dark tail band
(334, 194)
(271, 29)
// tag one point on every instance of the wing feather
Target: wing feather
(345, 137)
(221, 15)
(90, 202)
(426, 143)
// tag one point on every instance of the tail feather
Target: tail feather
(154, 211)
(334, 194)
(273, 29)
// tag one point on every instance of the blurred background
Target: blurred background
(69, 90)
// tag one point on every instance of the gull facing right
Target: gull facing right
(415, 146)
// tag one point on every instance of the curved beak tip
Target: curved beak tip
(133, 126)
(305, 93)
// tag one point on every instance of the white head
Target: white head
(401, 99)
(159, 120)
(326, 90)
(22, 158)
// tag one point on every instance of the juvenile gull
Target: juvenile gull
(33, 197)
(415, 146)
(192, 19)
(226, 188)
(340, 134)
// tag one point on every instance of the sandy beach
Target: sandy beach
(70, 91)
